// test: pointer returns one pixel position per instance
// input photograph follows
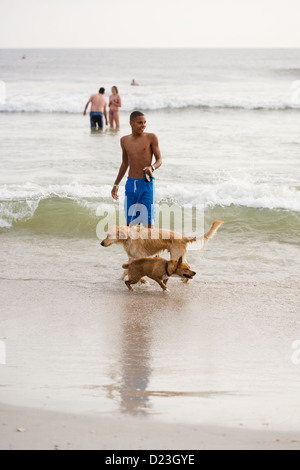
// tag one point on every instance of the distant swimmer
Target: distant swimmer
(24, 57)
(98, 109)
(115, 104)
(134, 83)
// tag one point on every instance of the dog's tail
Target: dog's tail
(213, 229)
(125, 266)
(204, 238)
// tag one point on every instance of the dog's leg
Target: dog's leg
(133, 280)
(128, 284)
(162, 285)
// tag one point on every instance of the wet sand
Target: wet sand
(90, 365)
(25, 428)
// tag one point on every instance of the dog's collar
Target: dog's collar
(166, 269)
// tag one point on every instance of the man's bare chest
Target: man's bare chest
(138, 148)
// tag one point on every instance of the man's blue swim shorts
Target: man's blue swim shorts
(96, 118)
(139, 201)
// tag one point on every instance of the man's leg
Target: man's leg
(147, 198)
(130, 200)
(93, 124)
(98, 119)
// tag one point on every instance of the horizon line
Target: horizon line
(153, 48)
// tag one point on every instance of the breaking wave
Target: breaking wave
(72, 209)
(73, 103)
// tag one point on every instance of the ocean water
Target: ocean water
(228, 127)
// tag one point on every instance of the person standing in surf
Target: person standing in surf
(115, 104)
(98, 109)
(138, 150)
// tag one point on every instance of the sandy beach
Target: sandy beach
(204, 366)
(58, 431)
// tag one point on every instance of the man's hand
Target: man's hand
(114, 193)
(148, 170)
(84, 113)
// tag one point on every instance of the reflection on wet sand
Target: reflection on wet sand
(135, 364)
(141, 320)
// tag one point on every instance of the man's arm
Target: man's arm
(86, 106)
(105, 113)
(122, 171)
(156, 152)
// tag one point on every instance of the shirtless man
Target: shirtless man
(98, 108)
(138, 149)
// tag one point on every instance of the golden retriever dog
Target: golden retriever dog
(158, 269)
(143, 242)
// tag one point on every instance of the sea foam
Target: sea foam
(73, 103)
(20, 202)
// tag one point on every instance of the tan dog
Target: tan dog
(142, 242)
(158, 269)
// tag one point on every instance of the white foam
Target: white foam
(234, 191)
(2, 92)
(73, 103)
(34, 191)
(19, 202)
(11, 212)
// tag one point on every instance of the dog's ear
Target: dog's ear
(172, 266)
(179, 262)
(122, 232)
(113, 232)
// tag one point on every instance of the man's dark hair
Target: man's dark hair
(135, 115)
(102, 90)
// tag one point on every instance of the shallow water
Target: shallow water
(57, 178)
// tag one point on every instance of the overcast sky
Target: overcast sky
(152, 23)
